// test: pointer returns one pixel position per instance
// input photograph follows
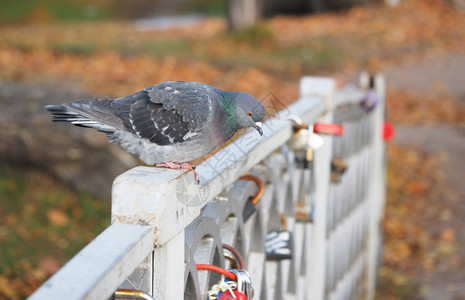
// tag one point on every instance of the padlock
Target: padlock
(244, 283)
(370, 101)
(328, 128)
(299, 142)
(231, 258)
(304, 212)
(304, 142)
(278, 243)
(249, 206)
(388, 131)
(234, 256)
(338, 168)
(227, 296)
(249, 209)
(305, 197)
(314, 142)
(223, 288)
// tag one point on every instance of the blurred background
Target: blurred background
(55, 179)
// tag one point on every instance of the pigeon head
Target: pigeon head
(249, 112)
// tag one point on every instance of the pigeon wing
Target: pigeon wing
(192, 100)
(168, 113)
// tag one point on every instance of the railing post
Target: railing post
(155, 196)
(376, 190)
(320, 87)
(168, 273)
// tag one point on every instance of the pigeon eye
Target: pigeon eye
(249, 114)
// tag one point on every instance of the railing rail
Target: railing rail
(163, 224)
(98, 270)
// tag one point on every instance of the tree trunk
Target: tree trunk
(243, 13)
(392, 3)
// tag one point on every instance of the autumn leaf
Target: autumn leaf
(6, 289)
(49, 264)
(57, 217)
(448, 235)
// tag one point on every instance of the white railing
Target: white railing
(164, 224)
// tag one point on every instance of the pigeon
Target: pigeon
(168, 124)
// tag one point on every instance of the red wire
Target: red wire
(213, 268)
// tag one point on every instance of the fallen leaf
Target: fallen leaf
(6, 289)
(49, 264)
(57, 217)
(448, 235)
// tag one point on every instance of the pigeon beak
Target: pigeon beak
(258, 127)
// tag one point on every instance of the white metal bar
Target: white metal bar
(168, 269)
(256, 270)
(347, 97)
(376, 192)
(98, 269)
(324, 87)
(141, 278)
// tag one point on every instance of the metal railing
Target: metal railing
(164, 224)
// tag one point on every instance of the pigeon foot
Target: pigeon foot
(183, 166)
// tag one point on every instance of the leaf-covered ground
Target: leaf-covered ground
(43, 223)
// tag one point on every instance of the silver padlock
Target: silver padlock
(304, 142)
(244, 282)
(314, 142)
(299, 141)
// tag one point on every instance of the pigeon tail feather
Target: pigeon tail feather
(73, 114)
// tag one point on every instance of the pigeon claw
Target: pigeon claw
(183, 166)
(193, 168)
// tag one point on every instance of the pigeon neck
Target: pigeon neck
(228, 103)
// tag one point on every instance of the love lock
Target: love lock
(244, 283)
(370, 100)
(306, 139)
(225, 290)
(304, 212)
(278, 243)
(338, 168)
(241, 289)
(304, 207)
(250, 206)
(304, 142)
(328, 128)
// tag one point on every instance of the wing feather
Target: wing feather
(168, 113)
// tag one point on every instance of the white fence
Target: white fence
(163, 224)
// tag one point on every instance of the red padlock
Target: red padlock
(327, 128)
(227, 296)
(388, 131)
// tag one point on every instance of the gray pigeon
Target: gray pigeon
(168, 124)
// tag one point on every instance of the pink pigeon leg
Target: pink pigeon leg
(184, 166)
(169, 164)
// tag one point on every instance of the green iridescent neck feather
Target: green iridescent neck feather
(228, 102)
